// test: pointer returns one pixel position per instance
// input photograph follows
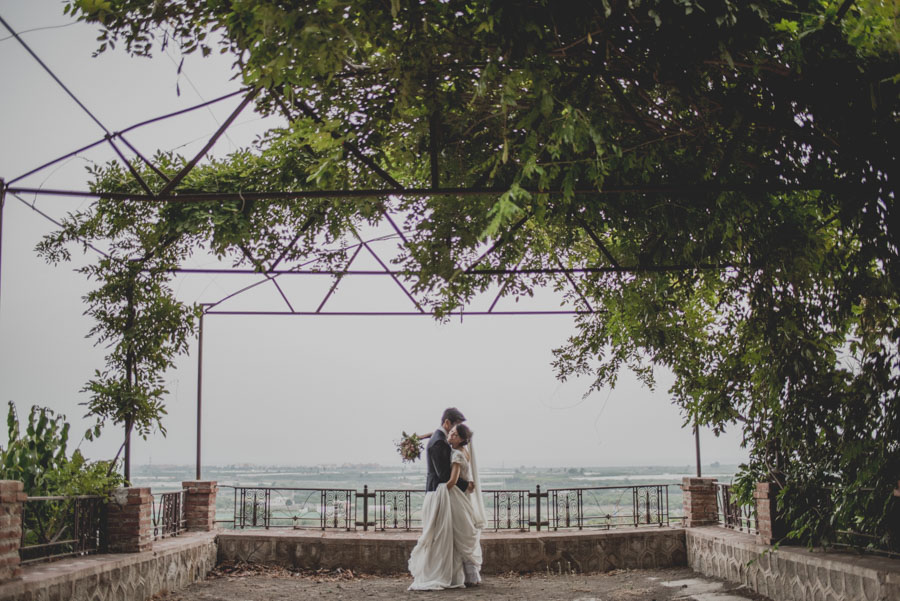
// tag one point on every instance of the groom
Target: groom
(438, 450)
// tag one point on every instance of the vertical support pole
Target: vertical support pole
(199, 388)
(697, 445)
(365, 507)
(2, 204)
(537, 513)
(127, 467)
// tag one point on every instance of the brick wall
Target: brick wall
(12, 498)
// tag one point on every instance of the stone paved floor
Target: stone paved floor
(268, 584)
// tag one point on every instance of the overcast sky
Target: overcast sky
(282, 390)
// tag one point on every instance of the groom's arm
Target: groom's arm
(440, 451)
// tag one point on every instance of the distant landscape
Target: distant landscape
(164, 478)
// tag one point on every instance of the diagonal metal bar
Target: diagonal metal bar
(80, 104)
(393, 275)
(574, 285)
(187, 168)
(506, 284)
(147, 161)
(183, 111)
(503, 239)
(119, 134)
(268, 276)
(309, 222)
(53, 75)
(598, 242)
(128, 164)
(337, 280)
(55, 222)
(237, 292)
(57, 160)
(354, 150)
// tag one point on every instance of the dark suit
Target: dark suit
(438, 450)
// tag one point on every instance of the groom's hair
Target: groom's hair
(454, 415)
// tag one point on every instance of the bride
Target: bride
(448, 553)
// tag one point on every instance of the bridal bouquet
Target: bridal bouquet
(410, 447)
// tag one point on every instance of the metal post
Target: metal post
(199, 387)
(537, 513)
(365, 507)
(697, 444)
(2, 204)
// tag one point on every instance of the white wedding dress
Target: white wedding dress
(448, 553)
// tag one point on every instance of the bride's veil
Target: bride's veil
(478, 498)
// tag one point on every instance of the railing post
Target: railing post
(538, 495)
(199, 505)
(366, 495)
(12, 501)
(769, 525)
(699, 501)
(128, 520)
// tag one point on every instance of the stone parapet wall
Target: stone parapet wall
(791, 573)
(582, 551)
(172, 564)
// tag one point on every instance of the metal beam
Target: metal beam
(673, 189)
(397, 313)
(477, 272)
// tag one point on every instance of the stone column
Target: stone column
(128, 520)
(769, 525)
(12, 498)
(699, 500)
(199, 505)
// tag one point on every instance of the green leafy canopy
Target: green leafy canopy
(764, 275)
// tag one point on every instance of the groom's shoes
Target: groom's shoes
(471, 584)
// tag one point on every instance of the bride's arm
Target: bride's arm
(454, 476)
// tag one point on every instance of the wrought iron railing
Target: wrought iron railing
(731, 513)
(398, 509)
(57, 527)
(608, 506)
(401, 509)
(325, 508)
(167, 514)
(508, 509)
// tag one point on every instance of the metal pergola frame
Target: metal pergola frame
(270, 273)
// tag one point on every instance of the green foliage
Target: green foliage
(38, 457)
(769, 288)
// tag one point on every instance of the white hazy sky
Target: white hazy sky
(284, 390)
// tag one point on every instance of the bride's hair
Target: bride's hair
(465, 434)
